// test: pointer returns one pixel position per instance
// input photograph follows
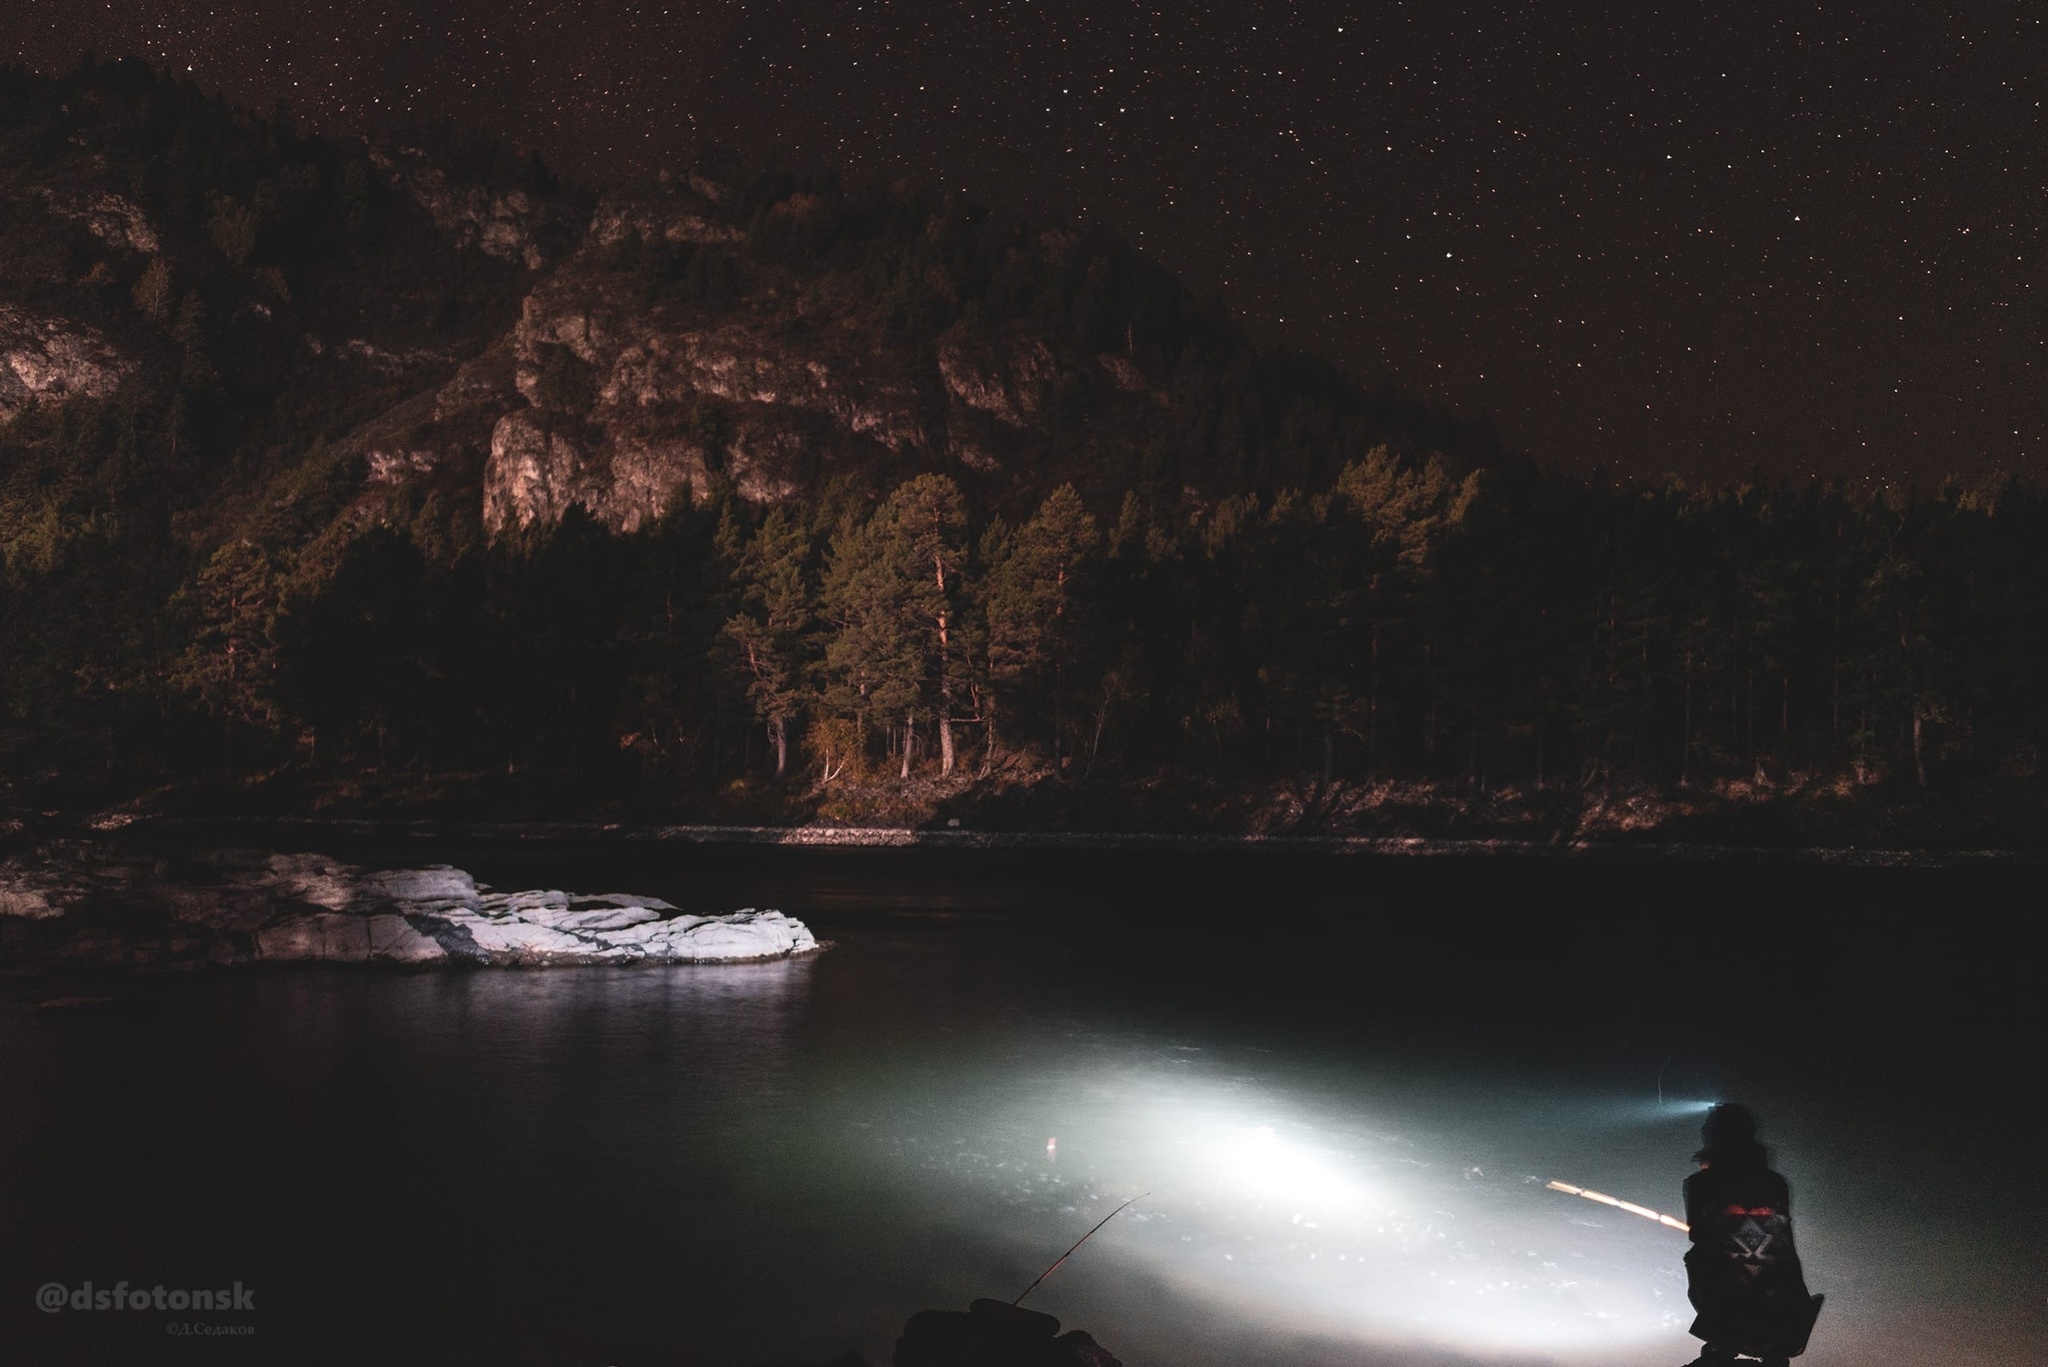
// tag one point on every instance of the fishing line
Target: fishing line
(1077, 1243)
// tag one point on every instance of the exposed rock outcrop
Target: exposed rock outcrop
(43, 360)
(664, 211)
(113, 219)
(511, 225)
(674, 338)
(1001, 375)
(665, 356)
(534, 475)
(673, 396)
(462, 332)
(93, 910)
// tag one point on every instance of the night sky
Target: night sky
(1695, 238)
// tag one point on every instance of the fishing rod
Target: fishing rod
(1077, 1243)
(1629, 1206)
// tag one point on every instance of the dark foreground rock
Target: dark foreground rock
(993, 1334)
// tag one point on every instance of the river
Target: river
(1340, 1084)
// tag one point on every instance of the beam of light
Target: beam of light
(1329, 1213)
(1259, 1163)
(1619, 1204)
(1651, 1112)
(1302, 1207)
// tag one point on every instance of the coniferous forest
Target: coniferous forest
(1273, 587)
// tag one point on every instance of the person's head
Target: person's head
(1729, 1134)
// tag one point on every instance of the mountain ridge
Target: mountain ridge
(768, 332)
(410, 476)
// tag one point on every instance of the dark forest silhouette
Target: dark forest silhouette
(1306, 584)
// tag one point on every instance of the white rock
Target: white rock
(436, 883)
(510, 940)
(583, 917)
(311, 878)
(746, 934)
(307, 908)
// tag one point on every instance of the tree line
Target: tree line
(1408, 623)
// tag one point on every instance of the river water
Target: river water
(1339, 1083)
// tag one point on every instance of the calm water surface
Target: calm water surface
(1341, 1083)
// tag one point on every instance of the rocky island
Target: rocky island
(79, 907)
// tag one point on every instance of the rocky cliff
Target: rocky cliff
(628, 382)
(446, 318)
(47, 360)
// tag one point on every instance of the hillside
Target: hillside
(413, 476)
(446, 312)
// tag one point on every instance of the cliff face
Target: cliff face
(622, 390)
(52, 347)
(445, 320)
(234, 289)
(633, 395)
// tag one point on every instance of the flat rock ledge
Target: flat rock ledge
(306, 908)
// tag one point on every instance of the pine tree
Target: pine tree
(1405, 514)
(894, 593)
(871, 665)
(1033, 578)
(771, 628)
(231, 662)
(931, 521)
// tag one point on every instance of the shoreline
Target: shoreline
(904, 837)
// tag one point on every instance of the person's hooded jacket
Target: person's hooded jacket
(1743, 1270)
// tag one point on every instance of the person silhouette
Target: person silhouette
(1742, 1271)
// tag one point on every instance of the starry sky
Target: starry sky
(1699, 238)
